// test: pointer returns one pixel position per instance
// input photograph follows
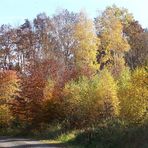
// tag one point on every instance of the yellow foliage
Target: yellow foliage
(133, 96)
(87, 43)
(108, 92)
(48, 90)
(9, 85)
(113, 41)
(112, 38)
(5, 116)
(89, 100)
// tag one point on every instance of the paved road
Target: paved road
(8, 142)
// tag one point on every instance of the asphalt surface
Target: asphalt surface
(8, 142)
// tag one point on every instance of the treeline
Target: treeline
(73, 70)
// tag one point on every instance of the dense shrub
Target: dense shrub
(89, 100)
(51, 106)
(5, 116)
(133, 95)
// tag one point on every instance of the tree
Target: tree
(108, 93)
(133, 95)
(27, 107)
(9, 90)
(9, 85)
(87, 43)
(137, 38)
(87, 101)
(24, 46)
(109, 26)
(7, 44)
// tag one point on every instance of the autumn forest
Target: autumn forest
(78, 74)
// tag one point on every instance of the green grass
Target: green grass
(112, 135)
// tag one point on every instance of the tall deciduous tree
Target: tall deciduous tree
(87, 44)
(137, 38)
(109, 27)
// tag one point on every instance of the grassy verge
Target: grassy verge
(104, 137)
(110, 136)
